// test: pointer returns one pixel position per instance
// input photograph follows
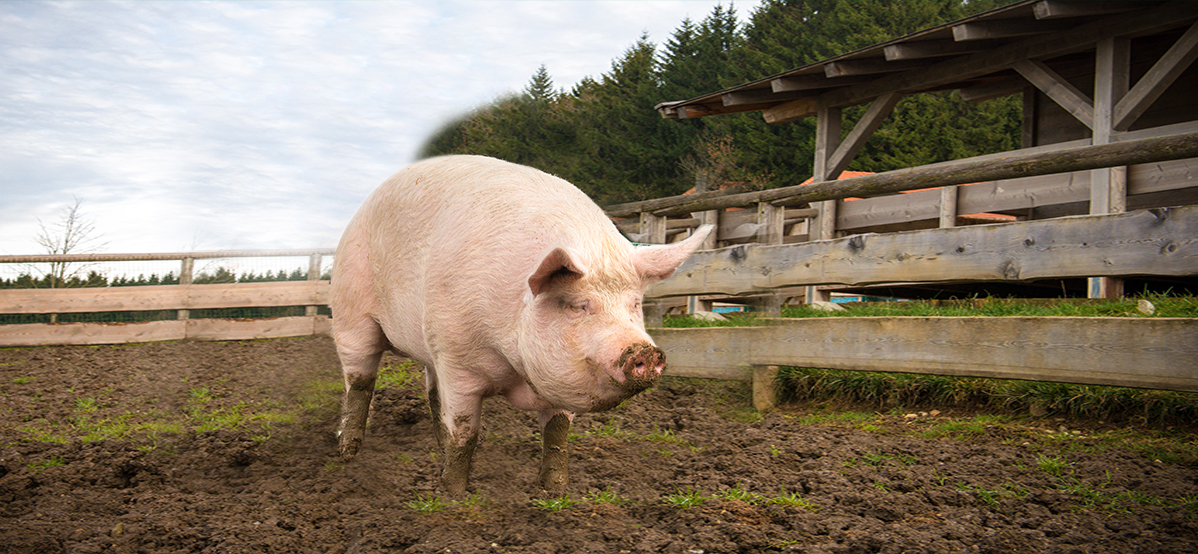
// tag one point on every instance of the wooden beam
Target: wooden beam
(1003, 28)
(1159, 241)
(1007, 165)
(791, 111)
(798, 83)
(1158, 78)
(865, 127)
(1056, 9)
(163, 297)
(870, 66)
(925, 49)
(43, 334)
(750, 97)
(1061, 91)
(1156, 353)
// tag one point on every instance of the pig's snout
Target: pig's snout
(641, 363)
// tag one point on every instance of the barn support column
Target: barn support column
(1108, 186)
(827, 138)
(832, 156)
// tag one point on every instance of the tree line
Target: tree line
(96, 279)
(605, 136)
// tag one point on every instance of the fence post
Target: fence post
(948, 207)
(765, 394)
(314, 262)
(772, 220)
(709, 217)
(185, 279)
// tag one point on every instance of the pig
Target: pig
(501, 280)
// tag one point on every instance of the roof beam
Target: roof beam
(759, 96)
(869, 66)
(1055, 9)
(1157, 79)
(812, 82)
(988, 61)
(1007, 28)
(933, 49)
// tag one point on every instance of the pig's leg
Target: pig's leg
(359, 367)
(555, 453)
(457, 420)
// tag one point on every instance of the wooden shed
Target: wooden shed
(1090, 74)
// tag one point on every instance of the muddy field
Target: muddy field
(229, 447)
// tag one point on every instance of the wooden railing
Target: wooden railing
(768, 242)
(181, 298)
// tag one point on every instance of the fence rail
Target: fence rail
(181, 298)
(1156, 353)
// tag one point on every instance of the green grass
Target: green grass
(398, 374)
(794, 500)
(556, 504)
(53, 461)
(740, 493)
(427, 504)
(1093, 402)
(606, 496)
(688, 498)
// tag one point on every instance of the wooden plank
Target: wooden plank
(711, 353)
(1008, 165)
(1145, 242)
(163, 297)
(45, 334)
(1156, 353)
(250, 329)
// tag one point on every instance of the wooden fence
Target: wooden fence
(181, 298)
(766, 249)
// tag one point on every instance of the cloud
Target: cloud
(262, 124)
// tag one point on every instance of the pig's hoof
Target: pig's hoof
(349, 448)
(554, 481)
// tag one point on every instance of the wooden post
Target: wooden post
(185, 279)
(948, 207)
(653, 228)
(827, 138)
(773, 221)
(765, 393)
(1108, 186)
(314, 262)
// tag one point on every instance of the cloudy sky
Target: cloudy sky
(253, 125)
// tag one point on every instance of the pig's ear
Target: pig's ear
(558, 266)
(655, 263)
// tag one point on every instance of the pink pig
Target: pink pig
(501, 280)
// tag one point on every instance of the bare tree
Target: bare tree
(74, 233)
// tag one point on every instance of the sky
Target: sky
(184, 126)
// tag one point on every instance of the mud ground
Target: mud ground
(229, 447)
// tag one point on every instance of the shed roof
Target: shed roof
(974, 55)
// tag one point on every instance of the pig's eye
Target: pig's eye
(577, 308)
